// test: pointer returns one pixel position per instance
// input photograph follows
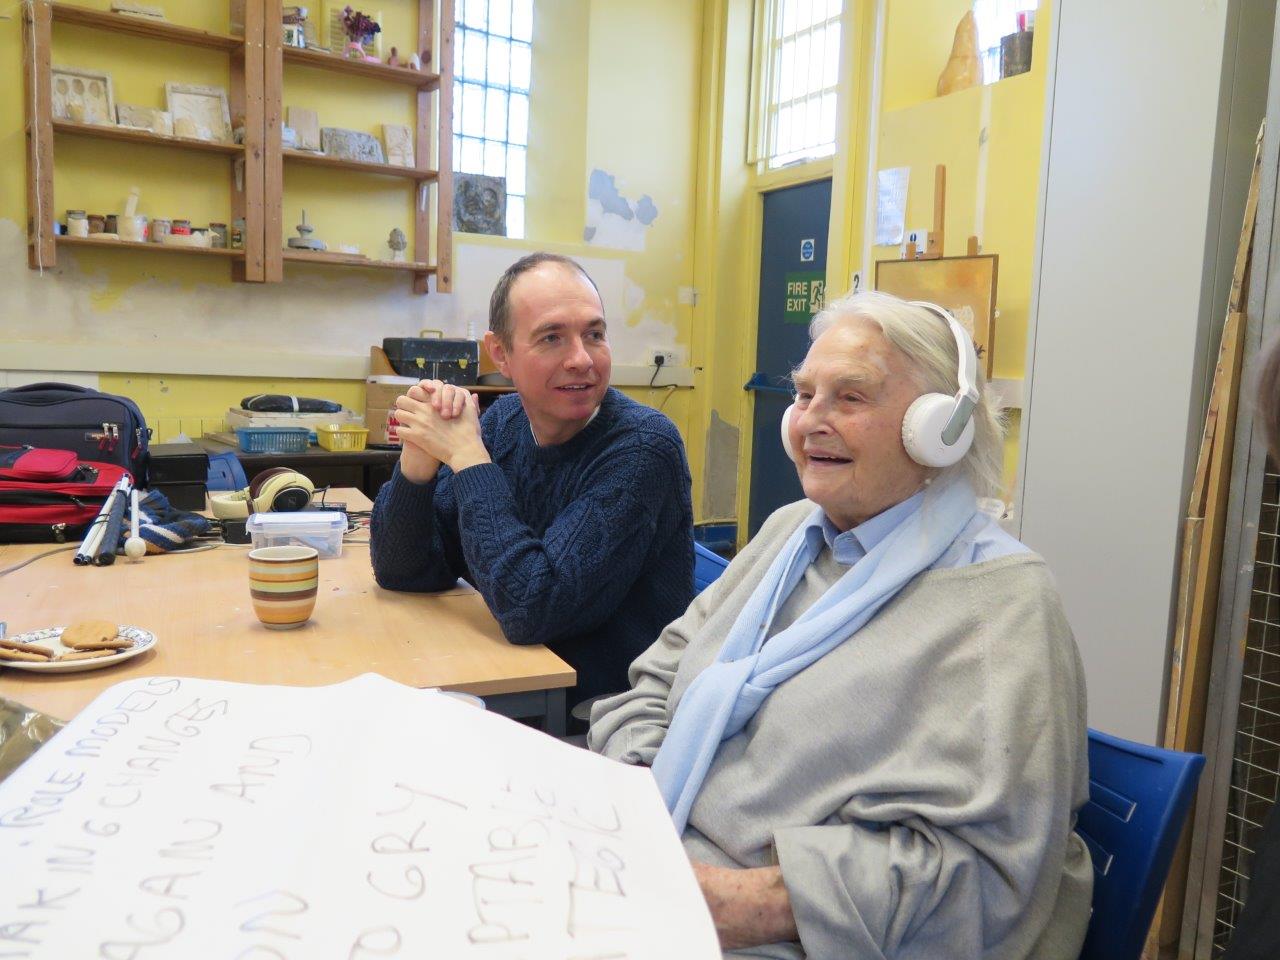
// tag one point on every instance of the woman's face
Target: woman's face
(846, 429)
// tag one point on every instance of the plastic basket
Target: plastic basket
(273, 439)
(342, 437)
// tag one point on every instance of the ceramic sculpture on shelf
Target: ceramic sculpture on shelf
(964, 67)
(397, 243)
(304, 240)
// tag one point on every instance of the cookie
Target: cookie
(26, 648)
(88, 631)
(88, 654)
(119, 643)
(21, 655)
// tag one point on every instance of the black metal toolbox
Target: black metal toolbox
(434, 358)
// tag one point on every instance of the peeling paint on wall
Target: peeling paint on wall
(720, 486)
(612, 220)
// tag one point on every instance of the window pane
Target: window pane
(495, 159)
(782, 142)
(786, 71)
(495, 114)
(473, 109)
(804, 14)
(457, 153)
(499, 61)
(828, 117)
(788, 17)
(831, 62)
(500, 17)
(518, 129)
(801, 76)
(472, 160)
(516, 161)
(474, 13)
(818, 53)
(473, 55)
(515, 217)
(457, 108)
(522, 20)
(457, 54)
(520, 53)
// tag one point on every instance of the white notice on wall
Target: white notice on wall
(196, 818)
(891, 204)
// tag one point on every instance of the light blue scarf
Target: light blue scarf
(724, 696)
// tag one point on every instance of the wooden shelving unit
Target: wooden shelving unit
(433, 139)
(257, 165)
(246, 69)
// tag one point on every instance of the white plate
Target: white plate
(51, 637)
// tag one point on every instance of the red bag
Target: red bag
(51, 495)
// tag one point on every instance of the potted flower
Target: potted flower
(360, 29)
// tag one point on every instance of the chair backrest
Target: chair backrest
(707, 566)
(1138, 800)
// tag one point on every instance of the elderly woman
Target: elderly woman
(871, 730)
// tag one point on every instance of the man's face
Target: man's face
(559, 356)
(846, 429)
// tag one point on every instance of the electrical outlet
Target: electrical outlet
(919, 237)
(668, 357)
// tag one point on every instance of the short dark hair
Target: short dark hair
(500, 302)
(1267, 402)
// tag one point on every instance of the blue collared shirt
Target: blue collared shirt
(983, 538)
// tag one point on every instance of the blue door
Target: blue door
(793, 270)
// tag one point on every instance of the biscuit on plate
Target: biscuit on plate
(84, 632)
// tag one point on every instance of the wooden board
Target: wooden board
(130, 246)
(144, 27)
(358, 166)
(361, 68)
(272, 147)
(146, 137)
(444, 161)
(331, 258)
(37, 38)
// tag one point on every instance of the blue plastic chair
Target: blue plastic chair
(1138, 800)
(707, 567)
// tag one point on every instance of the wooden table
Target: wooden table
(199, 609)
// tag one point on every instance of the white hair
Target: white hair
(929, 347)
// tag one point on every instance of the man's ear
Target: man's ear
(497, 353)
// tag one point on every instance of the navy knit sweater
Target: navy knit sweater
(586, 546)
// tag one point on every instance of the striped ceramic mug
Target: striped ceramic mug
(282, 582)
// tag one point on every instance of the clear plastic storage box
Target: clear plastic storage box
(322, 529)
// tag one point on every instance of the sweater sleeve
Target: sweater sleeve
(570, 579)
(413, 534)
(969, 852)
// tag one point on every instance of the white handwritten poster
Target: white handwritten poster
(196, 818)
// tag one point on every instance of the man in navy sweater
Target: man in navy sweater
(567, 505)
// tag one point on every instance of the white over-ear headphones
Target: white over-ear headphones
(276, 489)
(937, 429)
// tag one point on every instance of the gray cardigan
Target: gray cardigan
(917, 786)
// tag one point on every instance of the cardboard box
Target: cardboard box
(380, 429)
